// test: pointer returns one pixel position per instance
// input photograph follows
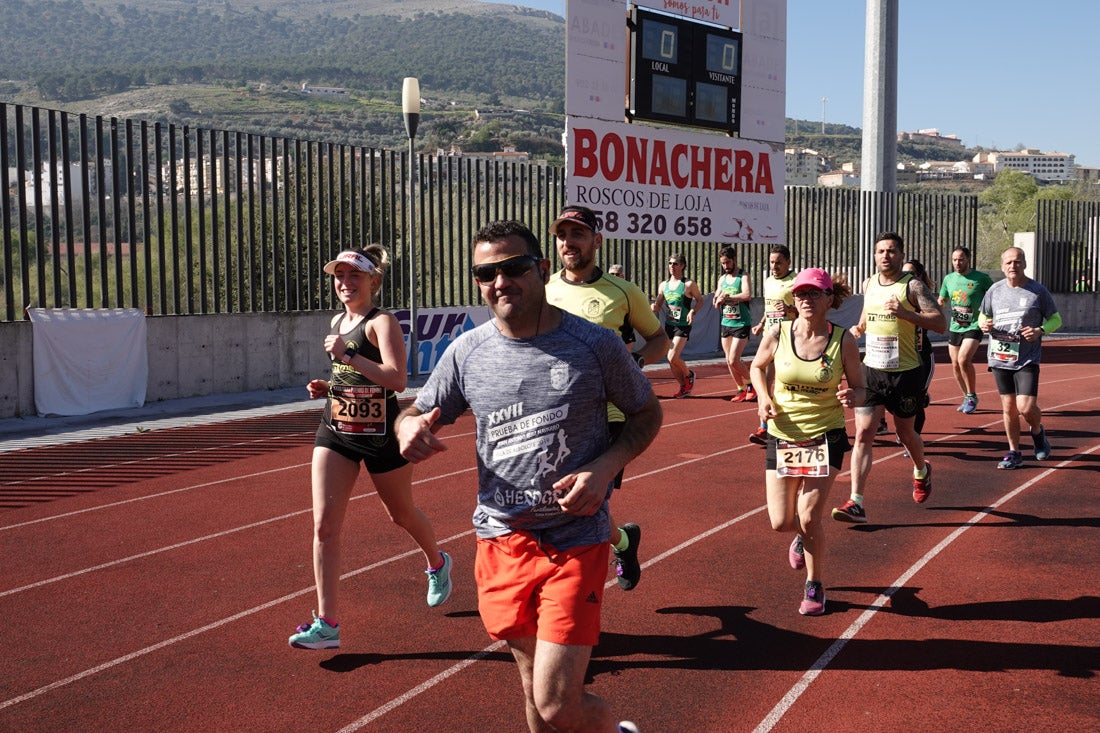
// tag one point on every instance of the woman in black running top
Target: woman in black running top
(369, 368)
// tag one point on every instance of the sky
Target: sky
(996, 73)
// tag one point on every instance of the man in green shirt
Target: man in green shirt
(964, 289)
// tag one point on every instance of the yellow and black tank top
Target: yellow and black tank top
(778, 297)
(805, 387)
(891, 344)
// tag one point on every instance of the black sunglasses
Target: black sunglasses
(512, 267)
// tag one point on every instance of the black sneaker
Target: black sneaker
(626, 562)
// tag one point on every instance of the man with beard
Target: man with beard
(582, 289)
(895, 305)
(778, 307)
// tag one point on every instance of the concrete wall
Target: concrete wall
(191, 356)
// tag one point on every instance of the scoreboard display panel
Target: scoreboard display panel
(684, 72)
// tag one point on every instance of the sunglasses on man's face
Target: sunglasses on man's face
(512, 267)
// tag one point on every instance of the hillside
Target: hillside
(73, 50)
(141, 59)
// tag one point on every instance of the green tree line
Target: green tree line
(74, 51)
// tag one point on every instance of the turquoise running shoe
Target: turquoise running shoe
(439, 582)
(1042, 445)
(316, 635)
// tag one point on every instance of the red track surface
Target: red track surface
(150, 582)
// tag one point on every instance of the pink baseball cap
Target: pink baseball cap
(356, 260)
(813, 277)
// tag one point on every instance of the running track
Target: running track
(149, 582)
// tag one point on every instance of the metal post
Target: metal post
(878, 169)
(410, 108)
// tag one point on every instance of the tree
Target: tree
(1007, 207)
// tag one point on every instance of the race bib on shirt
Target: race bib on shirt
(1003, 352)
(359, 409)
(803, 458)
(962, 315)
(674, 312)
(775, 313)
(882, 352)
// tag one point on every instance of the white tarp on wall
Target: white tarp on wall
(88, 360)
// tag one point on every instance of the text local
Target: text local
(655, 163)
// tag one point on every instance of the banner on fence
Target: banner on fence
(436, 329)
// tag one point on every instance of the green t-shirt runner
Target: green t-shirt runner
(965, 293)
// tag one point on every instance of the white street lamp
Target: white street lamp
(410, 108)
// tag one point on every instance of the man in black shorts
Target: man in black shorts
(1016, 313)
(964, 290)
(895, 305)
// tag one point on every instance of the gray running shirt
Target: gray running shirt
(1011, 309)
(541, 411)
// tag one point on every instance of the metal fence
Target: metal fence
(106, 213)
(1067, 237)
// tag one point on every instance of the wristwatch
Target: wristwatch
(348, 355)
(639, 359)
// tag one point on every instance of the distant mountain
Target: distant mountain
(237, 64)
(76, 50)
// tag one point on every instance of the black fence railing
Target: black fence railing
(175, 220)
(1067, 234)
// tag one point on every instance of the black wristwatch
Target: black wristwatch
(639, 359)
(349, 354)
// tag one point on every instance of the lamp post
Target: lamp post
(410, 109)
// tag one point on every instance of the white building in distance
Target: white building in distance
(803, 166)
(1050, 167)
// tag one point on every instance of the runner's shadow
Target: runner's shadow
(737, 640)
(740, 643)
(1016, 519)
(343, 662)
(907, 602)
(1008, 519)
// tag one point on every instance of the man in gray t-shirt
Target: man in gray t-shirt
(538, 381)
(1016, 313)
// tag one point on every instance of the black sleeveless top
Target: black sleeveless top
(356, 406)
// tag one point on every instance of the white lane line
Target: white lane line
(204, 538)
(812, 674)
(788, 700)
(203, 629)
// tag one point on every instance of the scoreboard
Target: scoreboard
(684, 72)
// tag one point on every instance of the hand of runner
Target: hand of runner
(416, 439)
(582, 492)
(850, 397)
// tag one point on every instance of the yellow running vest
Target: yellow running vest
(805, 388)
(777, 297)
(891, 342)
